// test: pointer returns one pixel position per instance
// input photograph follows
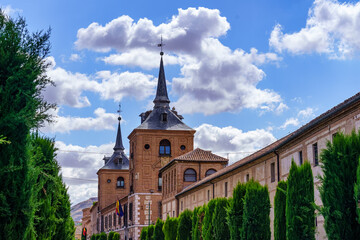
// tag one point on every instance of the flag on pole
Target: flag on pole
(119, 210)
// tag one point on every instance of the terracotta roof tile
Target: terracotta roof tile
(197, 155)
(200, 155)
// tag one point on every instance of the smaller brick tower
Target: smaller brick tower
(113, 178)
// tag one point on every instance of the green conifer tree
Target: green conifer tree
(220, 227)
(235, 211)
(339, 164)
(200, 219)
(195, 219)
(22, 79)
(116, 236)
(300, 212)
(256, 216)
(184, 226)
(150, 232)
(170, 228)
(207, 228)
(110, 235)
(143, 233)
(279, 211)
(158, 233)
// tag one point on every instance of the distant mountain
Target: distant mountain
(76, 210)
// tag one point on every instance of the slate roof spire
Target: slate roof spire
(161, 98)
(118, 144)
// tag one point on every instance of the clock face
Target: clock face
(109, 181)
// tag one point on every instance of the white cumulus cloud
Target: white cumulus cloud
(79, 166)
(66, 124)
(70, 87)
(231, 140)
(213, 77)
(332, 28)
(290, 122)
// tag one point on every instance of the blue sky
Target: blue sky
(242, 73)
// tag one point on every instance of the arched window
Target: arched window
(190, 175)
(165, 148)
(209, 172)
(120, 182)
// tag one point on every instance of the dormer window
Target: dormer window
(165, 148)
(164, 117)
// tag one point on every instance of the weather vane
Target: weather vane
(160, 45)
(119, 111)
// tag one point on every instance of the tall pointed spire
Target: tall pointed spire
(161, 99)
(118, 144)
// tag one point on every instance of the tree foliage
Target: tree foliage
(150, 232)
(158, 233)
(235, 211)
(300, 213)
(184, 226)
(200, 219)
(22, 107)
(116, 236)
(170, 228)
(339, 164)
(207, 229)
(220, 227)
(279, 211)
(195, 233)
(256, 215)
(110, 235)
(143, 233)
(357, 191)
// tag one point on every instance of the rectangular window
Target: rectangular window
(110, 221)
(247, 177)
(125, 215)
(130, 211)
(226, 189)
(114, 217)
(208, 195)
(119, 221)
(102, 223)
(300, 158)
(182, 205)
(173, 213)
(315, 152)
(106, 222)
(272, 172)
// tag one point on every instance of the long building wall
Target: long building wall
(264, 169)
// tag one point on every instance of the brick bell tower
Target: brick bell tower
(161, 137)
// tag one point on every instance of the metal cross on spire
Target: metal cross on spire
(119, 111)
(160, 45)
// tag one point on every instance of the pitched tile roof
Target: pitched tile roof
(279, 143)
(197, 155)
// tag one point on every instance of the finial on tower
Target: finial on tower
(161, 44)
(119, 111)
(118, 144)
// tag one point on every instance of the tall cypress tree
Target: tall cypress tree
(158, 233)
(195, 219)
(170, 228)
(221, 229)
(300, 212)
(235, 211)
(184, 226)
(207, 228)
(256, 216)
(22, 79)
(339, 163)
(279, 211)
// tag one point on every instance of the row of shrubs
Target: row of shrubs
(103, 236)
(247, 214)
